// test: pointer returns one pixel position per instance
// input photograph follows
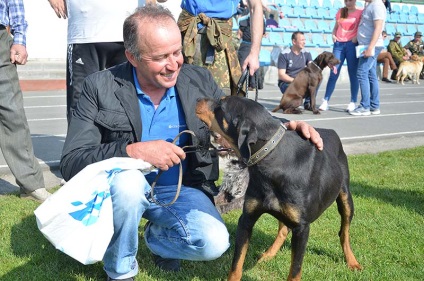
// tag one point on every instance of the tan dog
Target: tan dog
(412, 68)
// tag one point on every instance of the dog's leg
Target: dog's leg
(244, 232)
(283, 231)
(299, 240)
(346, 210)
(312, 90)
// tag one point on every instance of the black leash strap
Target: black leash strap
(244, 80)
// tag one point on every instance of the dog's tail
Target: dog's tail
(400, 71)
(276, 109)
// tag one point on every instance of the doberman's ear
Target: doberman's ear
(247, 135)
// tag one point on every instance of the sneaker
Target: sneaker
(360, 111)
(39, 195)
(324, 105)
(126, 279)
(375, 111)
(351, 107)
(173, 265)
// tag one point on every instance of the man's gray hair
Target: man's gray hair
(151, 13)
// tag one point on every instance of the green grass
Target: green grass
(386, 235)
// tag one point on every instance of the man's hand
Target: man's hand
(307, 131)
(59, 7)
(18, 54)
(161, 154)
(252, 61)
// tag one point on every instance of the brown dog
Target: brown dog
(306, 83)
(288, 178)
(412, 67)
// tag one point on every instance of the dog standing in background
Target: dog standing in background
(411, 68)
(306, 83)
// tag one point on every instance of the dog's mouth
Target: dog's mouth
(333, 68)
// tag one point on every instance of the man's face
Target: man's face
(161, 56)
(300, 41)
(417, 38)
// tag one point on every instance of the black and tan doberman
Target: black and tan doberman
(289, 178)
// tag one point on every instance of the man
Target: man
(387, 60)
(398, 53)
(135, 110)
(291, 62)
(415, 46)
(369, 34)
(15, 138)
(94, 39)
(206, 28)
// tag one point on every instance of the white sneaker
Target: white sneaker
(375, 111)
(323, 106)
(351, 107)
(39, 195)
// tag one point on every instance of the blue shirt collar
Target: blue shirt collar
(170, 92)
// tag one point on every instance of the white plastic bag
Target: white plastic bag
(78, 218)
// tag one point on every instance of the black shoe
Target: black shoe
(386, 80)
(126, 279)
(167, 264)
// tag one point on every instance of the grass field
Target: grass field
(386, 235)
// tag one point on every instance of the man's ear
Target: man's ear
(247, 135)
(131, 58)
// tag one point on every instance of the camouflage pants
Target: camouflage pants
(220, 67)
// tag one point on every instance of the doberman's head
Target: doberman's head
(240, 121)
(327, 59)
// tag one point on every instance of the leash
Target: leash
(180, 174)
(245, 81)
(268, 147)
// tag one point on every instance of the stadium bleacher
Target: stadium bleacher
(316, 19)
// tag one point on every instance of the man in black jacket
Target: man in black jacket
(135, 110)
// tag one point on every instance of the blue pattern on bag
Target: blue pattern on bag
(90, 214)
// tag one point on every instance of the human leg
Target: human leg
(189, 229)
(374, 87)
(82, 60)
(110, 54)
(339, 53)
(15, 138)
(129, 192)
(352, 68)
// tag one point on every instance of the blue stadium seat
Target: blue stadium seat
(287, 25)
(303, 3)
(309, 13)
(299, 24)
(324, 27)
(320, 13)
(404, 40)
(420, 28)
(392, 18)
(309, 43)
(405, 10)
(332, 13)
(280, 2)
(329, 40)
(314, 4)
(297, 12)
(390, 29)
(314, 53)
(412, 19)
(386, 42)
(396, 8)
(287, 39)
(327, 4)
(329, 16)
(265, 42)
(403, 18)
(264, 57)
(420, 18)
(275, 38)
(318, 40)
(338, 4)
(413, 10)
(359, 4)
(312, 26)
(410, 29)
(401, 28)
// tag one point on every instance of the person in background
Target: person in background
(15, 137)
(206, 29)
(136, 109)
(398, 53)
(271, 22)
(388, 6)
(415, 46)
(94, 39)
(386, 59)
(246, 42)
(369, 34)
(345, 41)
(292, 61)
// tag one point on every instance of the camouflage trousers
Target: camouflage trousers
(220, 67)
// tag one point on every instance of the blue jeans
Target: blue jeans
(342, 51)
(189, 229)
(367, 77)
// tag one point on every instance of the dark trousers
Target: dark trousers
(85, 59)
